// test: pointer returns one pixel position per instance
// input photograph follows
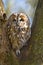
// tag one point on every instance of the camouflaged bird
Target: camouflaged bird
(18, 30)
(16, 22)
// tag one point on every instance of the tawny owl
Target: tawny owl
(18, 30)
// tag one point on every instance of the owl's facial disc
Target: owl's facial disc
(13, 17)
(23, 17)
(23, 20)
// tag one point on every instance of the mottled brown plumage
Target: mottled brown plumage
(18, 30)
